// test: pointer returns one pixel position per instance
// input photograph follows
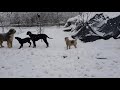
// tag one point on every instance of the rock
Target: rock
(64, 56)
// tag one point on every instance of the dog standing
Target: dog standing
(70, 43)
(36, 37)
(7, 37)
(22, 41)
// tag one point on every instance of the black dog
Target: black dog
(36, 37)
(22, 41)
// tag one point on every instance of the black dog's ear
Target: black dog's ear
(28, 33)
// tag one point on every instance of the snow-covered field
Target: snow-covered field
(99, 59)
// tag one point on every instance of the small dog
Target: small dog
(22, 41)
(7, 37)
(70, 43)
(36, 37)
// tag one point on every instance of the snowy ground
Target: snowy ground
(99, 59)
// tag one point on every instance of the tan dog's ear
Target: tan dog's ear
(66, 38)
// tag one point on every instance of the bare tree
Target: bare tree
(58, 21)
(85, 16)
(2, 26)
(40, 25)
(88, 14)
(2, 21)
(17, 19)
(39, 18)
(31, 18)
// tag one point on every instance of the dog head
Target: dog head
(11, 31)
(66, 38)
(28, 33)
(18, 38)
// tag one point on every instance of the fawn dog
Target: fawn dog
(70, 43)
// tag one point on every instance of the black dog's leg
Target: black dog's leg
(45, 40)
(21, 46)
(34, 44)
(29, 43)
(1, 44)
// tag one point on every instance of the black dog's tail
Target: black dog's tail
(49, 37)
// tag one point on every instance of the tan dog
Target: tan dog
(70, 43)
(7, 37)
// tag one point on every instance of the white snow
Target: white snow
(100, 58)
(74, 19)
(110, 14)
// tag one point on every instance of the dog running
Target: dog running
(22, 41)
(70, 43)
(36, 37)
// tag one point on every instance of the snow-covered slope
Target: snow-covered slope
(110, 14)
(93, 59)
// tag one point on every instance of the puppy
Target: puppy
(70, 43)
(22, 41)
(36, 37)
